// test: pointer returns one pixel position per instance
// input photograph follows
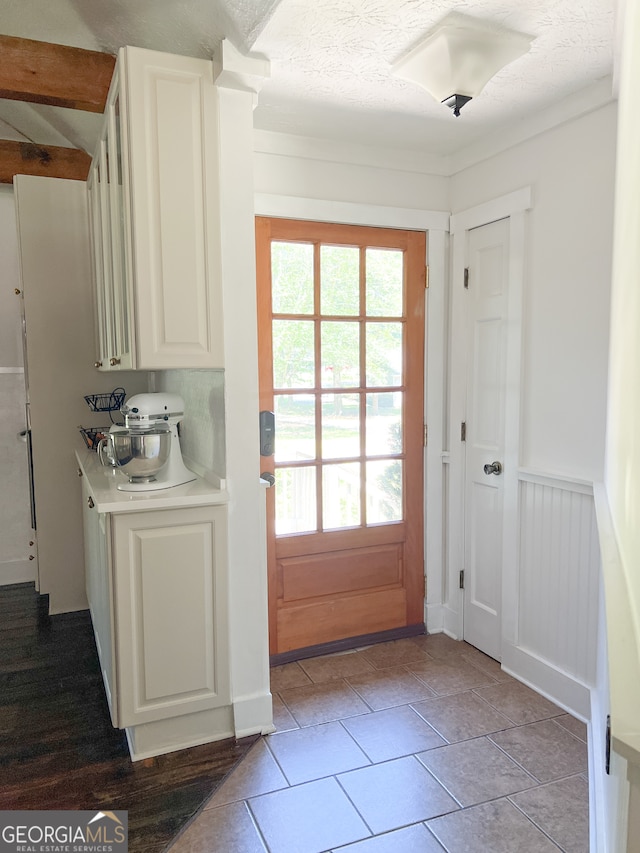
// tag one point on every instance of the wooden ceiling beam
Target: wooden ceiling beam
(48, 161)
(54, 74)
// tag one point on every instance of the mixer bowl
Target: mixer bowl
(140, 453)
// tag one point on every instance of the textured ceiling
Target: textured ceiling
(331, 60)
(331, 64)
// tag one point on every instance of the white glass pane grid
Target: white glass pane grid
(317, 346)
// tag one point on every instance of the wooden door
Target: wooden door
(487, 314)
(341, 346)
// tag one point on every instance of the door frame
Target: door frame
(436, 225)
(513, 207)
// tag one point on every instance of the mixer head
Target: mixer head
(148, 410)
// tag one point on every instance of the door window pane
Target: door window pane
(340, 426)
(293, 361)
(384, 279)
(384, 491)
(340, 348)
(296, 500)
(341, 495)
(292, 278)
(295, 427)
(384, 423)
(339, 280)
(384, 354)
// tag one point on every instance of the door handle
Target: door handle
(493, 468)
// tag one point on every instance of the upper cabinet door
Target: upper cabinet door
(156, 218)
(169, 125)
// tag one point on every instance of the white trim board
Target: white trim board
(350, 213)
(557, 481)
(551, 682)
(499, 208)
(17, 571)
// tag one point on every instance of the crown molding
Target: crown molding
(587, 100)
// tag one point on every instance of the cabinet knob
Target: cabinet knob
(114, 361)
(90, 502)
(17, 291)
(79, 472)
(97, 364)
(31, 557)
(31, 544)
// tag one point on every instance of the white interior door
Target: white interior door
(488, 256)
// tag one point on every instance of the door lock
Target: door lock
(493, 468)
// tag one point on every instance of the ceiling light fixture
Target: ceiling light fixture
(459, 57)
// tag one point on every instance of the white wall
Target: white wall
(567, 290)
(619, 497)
(551, 586)
(15, 519)
(306, 168)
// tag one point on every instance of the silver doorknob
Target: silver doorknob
(493, 468)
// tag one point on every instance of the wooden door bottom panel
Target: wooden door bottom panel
(304, 625)
(338, 540)
(339, 572)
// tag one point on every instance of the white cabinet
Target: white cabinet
(99, 591)
(154, 202)
(157, 590)
(171, 643)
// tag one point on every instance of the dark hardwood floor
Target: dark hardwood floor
(58, 749)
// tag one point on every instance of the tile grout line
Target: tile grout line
(357, 810)
(259, 832)
(532, 821)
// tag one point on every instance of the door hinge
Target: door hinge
(463, 431)
(461, 581)
(466, 278)
(426, 278)
(426, 435)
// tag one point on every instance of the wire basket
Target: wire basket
(93, 435)
(106, 402)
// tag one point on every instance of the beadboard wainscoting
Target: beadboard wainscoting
(557, 589)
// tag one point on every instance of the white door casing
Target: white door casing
(486, 296)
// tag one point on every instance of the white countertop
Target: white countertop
(103, 485)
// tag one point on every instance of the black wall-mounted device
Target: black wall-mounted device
(267, 433)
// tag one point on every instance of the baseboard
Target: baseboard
(558, 686)
(253, 715)
(17, 571)
(434, 618)
(347, 644)
(158, 737)
(451, 623)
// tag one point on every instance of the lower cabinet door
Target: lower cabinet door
(170, 596)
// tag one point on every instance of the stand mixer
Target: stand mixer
(151, 415)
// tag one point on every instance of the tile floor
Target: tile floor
(413, 746)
